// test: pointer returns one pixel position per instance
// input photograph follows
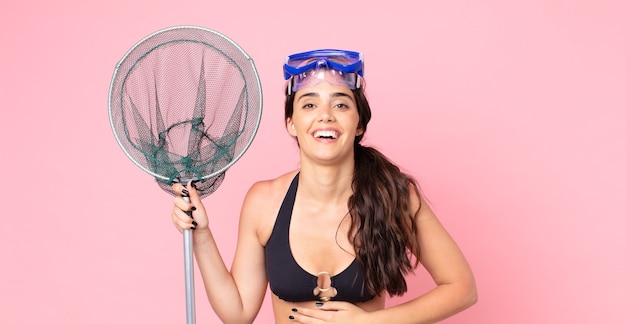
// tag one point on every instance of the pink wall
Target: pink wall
(510, 115)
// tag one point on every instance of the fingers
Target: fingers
(328, 312)
(177, 187)
(194, 195)
(190, 191)
(182, 212)
(307, 315)
(182, 221)
(188, 211)
(333, 305)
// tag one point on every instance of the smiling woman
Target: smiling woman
(336, 236)
(513, 130)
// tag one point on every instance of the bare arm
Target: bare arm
(236, 295)
(442, 258)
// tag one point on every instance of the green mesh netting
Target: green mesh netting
(185, 104)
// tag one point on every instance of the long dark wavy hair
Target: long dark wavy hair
(383, 230)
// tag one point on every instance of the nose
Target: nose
(326, 113)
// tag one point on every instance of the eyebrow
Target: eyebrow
(333, 95)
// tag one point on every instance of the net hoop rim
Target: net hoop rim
(203, 29)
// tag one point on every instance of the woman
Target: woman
(336, 236)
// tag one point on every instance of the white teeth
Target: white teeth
(325, 134)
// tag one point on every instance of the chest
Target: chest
(319, 238)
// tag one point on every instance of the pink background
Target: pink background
(510, 114)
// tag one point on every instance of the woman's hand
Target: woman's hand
(329, 312)
(197, 219)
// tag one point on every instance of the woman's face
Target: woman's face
(325, 121)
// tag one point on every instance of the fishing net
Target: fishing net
(185, 104)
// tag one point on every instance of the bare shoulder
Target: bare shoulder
(418, 204)
(264, 190)
(262, 202)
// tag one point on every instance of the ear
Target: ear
(291, 128)
(359, 131)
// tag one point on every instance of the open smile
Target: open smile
(326, 134)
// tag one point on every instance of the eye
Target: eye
(342, 105)
(307, 106)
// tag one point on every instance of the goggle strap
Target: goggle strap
(289, 83)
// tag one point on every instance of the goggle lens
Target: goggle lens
(316, 76)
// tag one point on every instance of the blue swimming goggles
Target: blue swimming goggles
(331, 65)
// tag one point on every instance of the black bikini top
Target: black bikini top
(290, 282)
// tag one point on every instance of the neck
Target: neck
(326, 183)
